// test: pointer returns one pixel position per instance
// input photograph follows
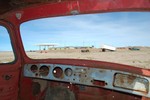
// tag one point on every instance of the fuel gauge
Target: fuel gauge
(68, 72)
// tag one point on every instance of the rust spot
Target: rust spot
(102, 71)
(1, 90)
(59, 93)
(36, 87)
(121, 80)
(99, 83)
(131, 82)
(125, 78)
(131, 79)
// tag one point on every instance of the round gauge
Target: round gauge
(68, 72)
(44, 70)
(58, 72)
(34, 68)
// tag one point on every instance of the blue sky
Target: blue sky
(5, 42)
(117, 29)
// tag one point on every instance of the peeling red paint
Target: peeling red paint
(13, 85)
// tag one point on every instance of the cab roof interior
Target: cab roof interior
(9, 5)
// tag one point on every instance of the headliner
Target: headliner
(33, 9)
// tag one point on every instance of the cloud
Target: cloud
(119, 29)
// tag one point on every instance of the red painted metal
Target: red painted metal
(9, 73)
(9, 88)
(82, 6)
(93, 93)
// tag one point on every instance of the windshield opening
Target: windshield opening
(6, 49)
(118, 37)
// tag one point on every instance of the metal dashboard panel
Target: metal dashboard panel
(105, 78)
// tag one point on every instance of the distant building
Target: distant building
(70, 47)
(44, 46)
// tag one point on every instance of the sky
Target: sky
(117, 29)
(5, 41)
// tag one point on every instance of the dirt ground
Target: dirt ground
(139, 58)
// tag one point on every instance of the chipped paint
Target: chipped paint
(131, 82)
(9, 88)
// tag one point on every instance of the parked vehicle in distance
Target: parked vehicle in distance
(85, 50)
(107, 48)
(134, 49)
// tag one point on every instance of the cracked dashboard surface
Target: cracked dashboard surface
(96, 77)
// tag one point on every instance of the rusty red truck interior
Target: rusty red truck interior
(50, 50)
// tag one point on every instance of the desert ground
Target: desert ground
(138, 58)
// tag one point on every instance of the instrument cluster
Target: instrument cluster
(97, 77)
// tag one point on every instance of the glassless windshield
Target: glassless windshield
(6, 51)
(113, 37)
